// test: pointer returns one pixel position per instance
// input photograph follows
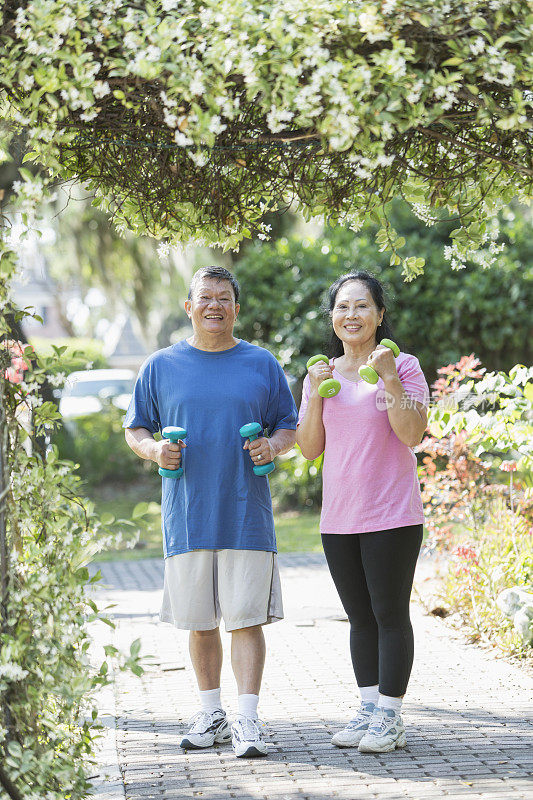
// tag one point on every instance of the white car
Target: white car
(85, 390)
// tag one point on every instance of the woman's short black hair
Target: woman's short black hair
(376, 289)
(219, 274)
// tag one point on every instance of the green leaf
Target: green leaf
(135, 648)
(139, 511)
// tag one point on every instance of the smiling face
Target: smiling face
(212, 308)
(355, 316)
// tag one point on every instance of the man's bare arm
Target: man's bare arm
(265, 450)
(165, 453)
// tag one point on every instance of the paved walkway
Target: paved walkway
(467, 715)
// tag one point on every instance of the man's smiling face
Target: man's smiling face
(212, 308)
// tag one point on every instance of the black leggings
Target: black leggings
(373, 573)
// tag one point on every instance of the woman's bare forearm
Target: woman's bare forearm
(408, 418)
(310, 433)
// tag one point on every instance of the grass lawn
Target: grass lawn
(294, 532)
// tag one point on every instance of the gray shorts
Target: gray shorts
(242, 587)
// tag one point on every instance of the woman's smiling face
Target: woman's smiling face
(355, 316)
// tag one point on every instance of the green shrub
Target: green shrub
(296, 483)
(77, 354)
(48, 714)
(491, 558)
(438, 317)
(96, 442)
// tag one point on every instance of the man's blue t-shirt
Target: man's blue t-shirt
(219, 502)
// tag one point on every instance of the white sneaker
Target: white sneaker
(351, 735)
(207, 727)
(386, 732)
(247, 737)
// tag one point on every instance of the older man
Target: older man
(218, 528)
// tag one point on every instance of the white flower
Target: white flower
(131, 17)
(367, 19)
(27, 82)
(414, 94)
(152, 53)
(20, 21)
(163, 250)
(276, 117)
(508, 70)
(477, 46)
(292, 70)
(196, 86)
(372, 26)
(87, 116)
(70, 96)
(35, 48)
(169, 5)
(216, 126)
(171, 120)
(199, 158)
(383, 160)
(57, 380)
(130, 41)
(12, 672)
(387, 131)
(101, 88)
(65, 23)
(181, 139)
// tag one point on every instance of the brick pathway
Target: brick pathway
(467, 715)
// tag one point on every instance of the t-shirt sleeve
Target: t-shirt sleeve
(143, 411)
(413, 380)
(281, 410)
(306, 389)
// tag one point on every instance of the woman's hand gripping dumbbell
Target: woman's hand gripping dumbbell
(322, 376)
(252, 431)
(367, 372)
(170, 453)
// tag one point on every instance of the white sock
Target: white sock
(210, 700)
(369, 694)
(248, 705)
(394, 703)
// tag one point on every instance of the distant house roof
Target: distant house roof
(123, 342)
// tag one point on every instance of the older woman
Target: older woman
(372, 518)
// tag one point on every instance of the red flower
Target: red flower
(13, 375)
(466, 553)
(508, 466)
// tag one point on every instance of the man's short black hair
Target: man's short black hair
(219, 274)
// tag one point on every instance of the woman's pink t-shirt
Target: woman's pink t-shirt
(370, 482)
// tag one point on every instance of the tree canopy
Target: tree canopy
(190, 120)
(439, 318)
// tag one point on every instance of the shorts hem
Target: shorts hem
(190, 626)
(249, 623)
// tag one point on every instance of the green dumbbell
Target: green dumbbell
(330, 387)
(174, 434)
(251, 431)
(367, 372)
